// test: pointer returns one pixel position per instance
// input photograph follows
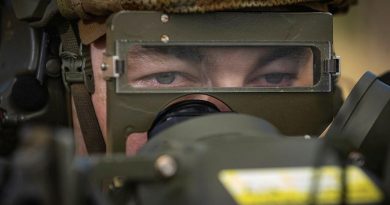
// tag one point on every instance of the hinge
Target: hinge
(112, 67)
(332, 66)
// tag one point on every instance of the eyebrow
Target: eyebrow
(186, 53)
(193, 53)
(293, 52)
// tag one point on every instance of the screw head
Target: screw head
(104, 66)
(166, 166)
(164, 18)
(164, 38)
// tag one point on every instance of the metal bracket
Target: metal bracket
(332, 66)
(74, 70)
(112, 67)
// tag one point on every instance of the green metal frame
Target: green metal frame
(294, 111)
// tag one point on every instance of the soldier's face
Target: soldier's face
(202, 67)
(167, 67)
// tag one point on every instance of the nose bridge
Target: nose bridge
(227, 80)
(226, 69)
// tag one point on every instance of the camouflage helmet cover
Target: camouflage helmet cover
(93, 12)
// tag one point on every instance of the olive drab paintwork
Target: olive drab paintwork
(294, 111)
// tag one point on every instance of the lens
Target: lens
(179, 112)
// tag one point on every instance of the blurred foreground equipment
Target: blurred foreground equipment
(239, 160)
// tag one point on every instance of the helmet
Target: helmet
(62, 28)
(162, 63)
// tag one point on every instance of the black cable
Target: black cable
(342, 150)
(316, 178)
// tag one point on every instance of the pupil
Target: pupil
(165, 78)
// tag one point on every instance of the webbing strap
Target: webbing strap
(77, 73)
(88, 121)
(69, 37)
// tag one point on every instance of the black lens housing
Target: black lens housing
(179, 112)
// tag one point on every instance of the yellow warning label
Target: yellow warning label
(299, 186)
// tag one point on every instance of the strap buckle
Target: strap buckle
(74, 69)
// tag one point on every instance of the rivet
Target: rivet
(104, 66)
(164, 18)
(164, 38)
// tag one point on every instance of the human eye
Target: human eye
(166, 79)
(275, 79)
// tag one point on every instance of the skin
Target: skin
(220, 67)
(211, 67)
(136, 140)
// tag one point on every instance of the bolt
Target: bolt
(164, 38)
(104, 66)
(166, 166)
(164, 18)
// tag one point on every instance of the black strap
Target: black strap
(88, 121)
(78, 77)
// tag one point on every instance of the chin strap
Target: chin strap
(77, 75)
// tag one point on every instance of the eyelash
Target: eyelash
(176, 75)
(283, 77)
